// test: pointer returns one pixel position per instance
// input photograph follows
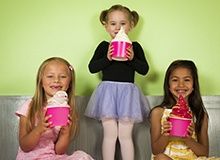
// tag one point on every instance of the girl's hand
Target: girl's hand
(166, 127)
(190, 129)
(66, 129)
(43, 123)
(130, 53)
(110, 52)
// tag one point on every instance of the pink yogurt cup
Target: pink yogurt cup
(179, 126)
(59, 115)
(119, 50)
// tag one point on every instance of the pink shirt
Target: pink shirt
(45, 148)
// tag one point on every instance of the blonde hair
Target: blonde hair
(39, 98)
(132, 15)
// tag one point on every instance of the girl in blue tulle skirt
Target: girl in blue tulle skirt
(117, 102)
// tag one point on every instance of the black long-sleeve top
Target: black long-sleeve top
(120, 71)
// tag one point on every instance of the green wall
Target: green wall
(33, 30)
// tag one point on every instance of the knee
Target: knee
(124, 137)
(110, 130)
(110, 136)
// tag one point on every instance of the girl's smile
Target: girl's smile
(181, 82)
(56, 76)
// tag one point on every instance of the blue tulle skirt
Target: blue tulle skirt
(118, 100)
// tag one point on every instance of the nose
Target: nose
(56, 79)
(118, 27)
(181, 83)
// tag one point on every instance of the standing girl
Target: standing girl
(37, 139)
(181, 79)
(117, 101)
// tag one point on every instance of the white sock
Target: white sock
(125, 139)
(110, 135)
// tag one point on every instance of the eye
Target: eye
(187, 80)
(174, 80)
(63, 76)
(49, 76)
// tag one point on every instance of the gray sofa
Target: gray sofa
(89, 138)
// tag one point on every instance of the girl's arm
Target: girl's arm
(139, 62)
(200, 148)
(64, 138)
(158, 141)
(100, 60)
(28, 140)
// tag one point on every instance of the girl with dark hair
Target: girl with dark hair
(181, 79)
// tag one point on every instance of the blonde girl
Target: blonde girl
(117, 102)
(37, 138)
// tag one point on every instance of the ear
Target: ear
(132, 25)
(106, 26)
(103, 23)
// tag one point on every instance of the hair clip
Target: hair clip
(70, 67)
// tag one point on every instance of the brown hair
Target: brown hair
(132, 15)
(39, 98)
(194, 100)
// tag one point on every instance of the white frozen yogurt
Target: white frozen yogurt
(121, 36)
(59, 99)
